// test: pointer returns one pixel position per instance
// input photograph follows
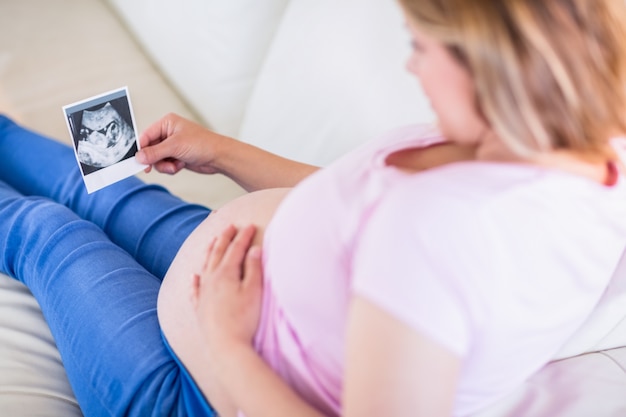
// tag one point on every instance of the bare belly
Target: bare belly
(176, 315)
(254, 208)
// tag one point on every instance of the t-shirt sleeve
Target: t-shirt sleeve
(412, 262)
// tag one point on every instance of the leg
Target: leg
(101, 308)
(134, 215)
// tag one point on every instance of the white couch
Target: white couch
(305, 79)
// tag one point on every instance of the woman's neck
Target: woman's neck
(593, 167)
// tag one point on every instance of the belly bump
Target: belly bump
(176, 316)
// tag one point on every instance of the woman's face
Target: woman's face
(448, 86)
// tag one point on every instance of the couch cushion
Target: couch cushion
(32, 378)
(211, 51)
(334, 77)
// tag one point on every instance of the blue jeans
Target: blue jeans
(95, 262)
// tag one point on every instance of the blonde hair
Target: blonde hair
(549, 74)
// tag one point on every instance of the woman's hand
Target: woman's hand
(173, 143)
(227, 294)
(226, 297)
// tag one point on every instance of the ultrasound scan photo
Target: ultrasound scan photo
(105, 141)
(105, 137)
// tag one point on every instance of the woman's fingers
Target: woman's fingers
(220, 246)
(227, 295)
(253, 273)
(157, 131)
(168, 165)
(156, 152)
(228, 251)
(236, 253)
(160, 146)
(195, 290)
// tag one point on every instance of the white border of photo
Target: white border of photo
(104, 177)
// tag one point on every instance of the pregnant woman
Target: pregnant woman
(399, 281)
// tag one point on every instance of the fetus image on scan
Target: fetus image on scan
(105, 138)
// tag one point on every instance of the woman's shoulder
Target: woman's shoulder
(457, 195)
(466, 182)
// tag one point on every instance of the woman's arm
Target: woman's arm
(256, 389)
(173, 143)
(392, 370)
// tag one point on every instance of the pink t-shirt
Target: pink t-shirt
(499, 263)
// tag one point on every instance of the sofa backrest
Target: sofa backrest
(305, 79)
(334, 77)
